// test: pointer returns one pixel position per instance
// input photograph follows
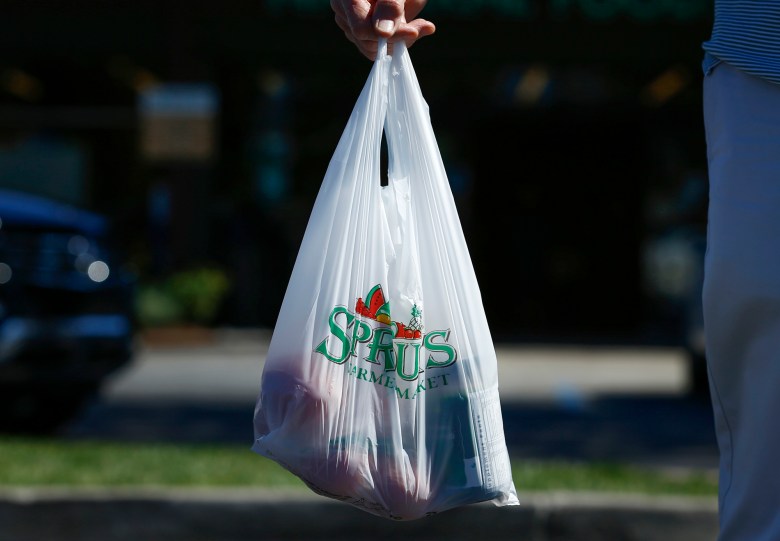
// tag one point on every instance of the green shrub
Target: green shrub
(200, 292)
(190, 296)
(156, 307)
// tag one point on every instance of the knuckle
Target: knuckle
(395, 6)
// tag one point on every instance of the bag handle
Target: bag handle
(381, 50)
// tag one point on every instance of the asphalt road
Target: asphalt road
(588, 403)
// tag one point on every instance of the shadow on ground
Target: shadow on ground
(654, 430)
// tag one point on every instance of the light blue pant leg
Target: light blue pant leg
(742, 298)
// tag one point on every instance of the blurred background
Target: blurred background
(159, 160)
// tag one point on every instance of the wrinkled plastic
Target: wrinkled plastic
(380, 385)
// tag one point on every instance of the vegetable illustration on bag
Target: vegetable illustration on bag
(380, 386)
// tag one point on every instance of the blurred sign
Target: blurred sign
(593, 10)
(178, 121)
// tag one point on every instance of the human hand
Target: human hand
(364, 22)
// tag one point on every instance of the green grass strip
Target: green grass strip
(611, 477)
(36, 462)
(51, 462)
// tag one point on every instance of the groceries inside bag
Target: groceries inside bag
(380, 386)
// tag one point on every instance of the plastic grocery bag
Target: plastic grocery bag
(380, 385)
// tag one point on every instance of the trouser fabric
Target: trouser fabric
(741, 298)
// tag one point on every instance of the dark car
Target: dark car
(66, 310)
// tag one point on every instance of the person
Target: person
(365, 21)
(741, 292)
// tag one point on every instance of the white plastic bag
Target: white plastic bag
(380, 386)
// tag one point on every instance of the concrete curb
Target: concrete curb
(240, 515)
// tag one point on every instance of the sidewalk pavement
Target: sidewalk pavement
(627, 404)
(229, 369)
(620, 403)
(242, 515)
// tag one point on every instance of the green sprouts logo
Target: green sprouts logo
(394, 350)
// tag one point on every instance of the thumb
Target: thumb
(388, 15)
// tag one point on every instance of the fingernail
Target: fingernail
(384, 26)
